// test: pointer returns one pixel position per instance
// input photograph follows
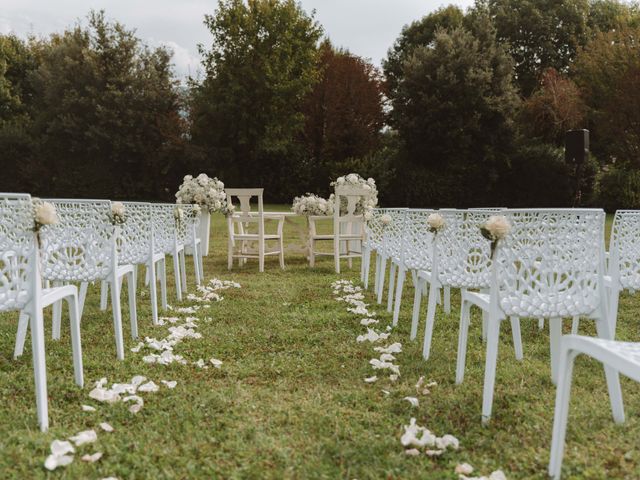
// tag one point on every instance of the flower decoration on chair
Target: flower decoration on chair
(117, 215)
(228, 209)
(178, 214)
(312, 205)
(496, 228)
(386, 220)
(365, 204)
(435, 222)
(204, 191)
(44, 213)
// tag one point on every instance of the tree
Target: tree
(454, 112)
(344, 113)
(555, 107)
(105, 113)
(247, 113)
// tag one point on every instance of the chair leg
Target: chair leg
(376, 275)
(57, 315)
(383, 269)
(104, 295)
(575, 325)
(517, 337)
(463, 337)
(563, 395)
(312, 256)
(117, 317)
(366, 262)
(176, 274)
(555, 337)
(417, 299)
(447, 300)
(76, 345)
(196, 263)
(82, 298)
(281, 253)
(183, 270)
(153, 290)
(230, 254)
(493, 337)
(39, 368)
(396, 307)
(431, 315)
(133, 311)
(21, 334)
(392, 286)
(603, 328)
(163, 282)
(541, 324)
(201, 263)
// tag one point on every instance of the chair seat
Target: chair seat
(480, 300)
(255, 236)
(424, 275)
(623, 356)
(123, 270)
(52, 295)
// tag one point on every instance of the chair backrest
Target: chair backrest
(81, 246)
(17, 251)
(136, 234)
(245, 215)
(392, 233)
(374, 228)
(462, 254)
(551, 264)
(164, 227)
(186, 229)
(347, 199)
(624, 249)
(416, 240)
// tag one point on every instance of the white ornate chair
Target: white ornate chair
(21, 290)
(390, 247)
(622, 357)
(373, 235)
(551, 265)
(239, 225)
(165, 241)
(187, 238)
(82, 248)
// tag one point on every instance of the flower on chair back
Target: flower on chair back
(117, 215)
(365, 204)
(44, 214)
(385, 219)
(435, 222)
(178, 214)
(495, 229)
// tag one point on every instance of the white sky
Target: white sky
(366, 27)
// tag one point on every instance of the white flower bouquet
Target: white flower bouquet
(44, 213)
(117, 215)
(204, 191)
(312, 205)
(496, 228)
(365, 204)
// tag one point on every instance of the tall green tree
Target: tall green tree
(454, 113)
(248, 111)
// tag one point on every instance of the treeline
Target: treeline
(470, 107)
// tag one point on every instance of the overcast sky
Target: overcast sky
(365, 27)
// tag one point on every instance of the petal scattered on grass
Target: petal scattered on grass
(92, 458)
(54, 461)
(88, 408)
(371, 379)
(61, 447)
(87, 436)
(106, 427)
(170, 383)
(413, 401)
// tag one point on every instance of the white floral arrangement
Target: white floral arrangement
(385, 219)
(435, 222)
(44, 213)
(117, 215)
(178, 215)
(365, 204)
(312, 205)
(204, 191)
(496, 228)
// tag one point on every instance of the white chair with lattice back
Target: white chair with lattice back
(187, 237)
(21, 290)
(392, 224)
(241, 233)
(623, 357)
(82, 248)
(373, 235)
(550, 265)
(348, 223)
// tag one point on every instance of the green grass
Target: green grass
(290, 401)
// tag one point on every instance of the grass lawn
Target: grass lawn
(290, 400)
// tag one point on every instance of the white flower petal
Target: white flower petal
(216, 363)
(464, 469)
(148, 387)
(371, 379)
(413, 452)
(61, 447)
(413, 401)
(88, 408)
(54, 461)
(106, 427)
(87, 436)
(138, 379)
(170, 383)
(92, 458)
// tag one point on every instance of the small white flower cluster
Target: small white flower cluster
(496, 228)
(364, 205)
(44, 213)
(416, 437)
(118, 214)
(204, 191)
(464, 469)
(312, 205)
(435, 222)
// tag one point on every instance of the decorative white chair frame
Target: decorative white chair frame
(622, 357)
(238, 240)
(373, 235)
(551, 265)
(389, 248)
(187, 237)
(21, 290)
(82, 248)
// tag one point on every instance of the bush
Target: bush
(619, 188)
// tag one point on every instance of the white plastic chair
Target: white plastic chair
(551, 265)
(622, 357)
(373, 233)
(165, 239)
(390, 248)
(21, 290)
(187, 237)
(82, 248)
(239, 223)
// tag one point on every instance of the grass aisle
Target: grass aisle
(290, 400)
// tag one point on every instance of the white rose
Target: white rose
(371, 181)
(187, 178)
(340, 181)
(386, 219)
(203, 179)
(435, 221)
(198, 198)
(368, 216)
(352, 178)
(46, 214)
(117, 208)
(220, 185)
(197, 209)
(217, 205)
(498, 227)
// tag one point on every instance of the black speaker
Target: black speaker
(576, 147)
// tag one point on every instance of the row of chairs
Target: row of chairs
(552, 265)
(43, 268)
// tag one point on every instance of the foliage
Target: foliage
(619, 188)
(247, 113)
(344, 115)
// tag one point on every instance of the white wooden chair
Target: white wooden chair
(622, 357)
(21, 290)
(82, 248)
(239, 225)
(551, 265)
(348, 226)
